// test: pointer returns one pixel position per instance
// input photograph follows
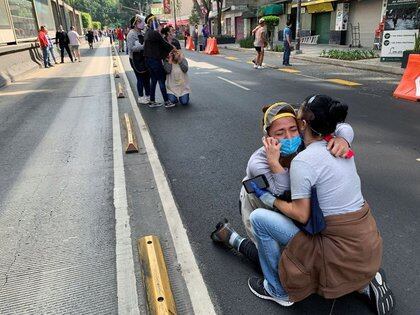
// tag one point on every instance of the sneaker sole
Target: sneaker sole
(153, 106)
(384, 300)
(264, 297)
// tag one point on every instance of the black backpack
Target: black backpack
(139, 63)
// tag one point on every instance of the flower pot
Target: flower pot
(405, 56)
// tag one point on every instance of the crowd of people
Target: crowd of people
(156, 58)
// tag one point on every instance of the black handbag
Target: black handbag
(139, 63)
(316, 222)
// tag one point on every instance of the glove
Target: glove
(265, 196)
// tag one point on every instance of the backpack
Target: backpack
(139, 63)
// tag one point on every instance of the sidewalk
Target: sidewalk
(312, 52)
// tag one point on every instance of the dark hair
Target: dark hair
(289, 23)
(323, 113)
(165, 31)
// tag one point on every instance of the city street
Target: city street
(59, 154)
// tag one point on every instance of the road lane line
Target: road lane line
(234, 83)
(343, 82)
(200, 298)
(126, 279)
(232, 58)
(288, 70)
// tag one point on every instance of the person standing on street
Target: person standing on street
(43, 42)
(186, 35)
(90, 36)
(62, 40)
(156, 49)
(74, 43)
(50, 48)
(120, 37)
(135, 48)
(195, 37)
(287, 42)
(205, 32)
(259, 43)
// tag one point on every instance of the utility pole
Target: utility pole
(299, 7)
(174, 1)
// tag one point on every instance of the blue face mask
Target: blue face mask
(290, 146)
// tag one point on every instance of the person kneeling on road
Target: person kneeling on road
(177, 82)
(326, 240)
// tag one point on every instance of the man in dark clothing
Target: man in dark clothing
(287, 42)
(62, 40)
(156, 49)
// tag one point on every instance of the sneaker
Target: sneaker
(154, 104)
(142, 100)
(381, 296)
(261, 67)
(256, 285)
(169, 104)
(147, 99)
(255, 66)
(51, 65)
(222, 233)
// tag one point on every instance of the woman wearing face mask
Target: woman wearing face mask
(343, 257)
(281, 143)
(177, 82)
(135, 46)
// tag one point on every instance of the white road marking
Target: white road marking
(197, 289)
(126, 279)
(234, 83)
(418, 160)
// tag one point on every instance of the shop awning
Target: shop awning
(311, 2)
(320, 7)
(272, 9)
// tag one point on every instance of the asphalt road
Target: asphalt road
(205, 146)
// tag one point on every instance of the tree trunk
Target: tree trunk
(219, 17)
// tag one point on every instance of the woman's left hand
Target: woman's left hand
(338, 147)
(272, 149)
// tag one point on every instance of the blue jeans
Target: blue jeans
(45, 56)
(157, 74)
(51, 50)
(184, 99)
(286, 54)
(272, 230)
(197, 48)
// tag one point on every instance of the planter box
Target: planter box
(405, 56)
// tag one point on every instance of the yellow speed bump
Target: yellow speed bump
(343, 82)
(155, 276)
(131, 139)
(120, 91)
(289, 70)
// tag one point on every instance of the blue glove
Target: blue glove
(265, 196)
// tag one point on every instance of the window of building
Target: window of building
(44, 14)
(228, 26)
(23, 17)
(4, 20)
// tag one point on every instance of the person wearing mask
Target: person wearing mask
(74, 43)
(156, 49)
(62, 40)
(50, 48)
(281, 143)
(177, 82)
(195, 37)
(343, 253)
(287, 43)
(43, 43)
(135, 47)
(168, 35)
(259, 43)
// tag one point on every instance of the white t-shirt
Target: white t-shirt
(335, 179)
(73, 37)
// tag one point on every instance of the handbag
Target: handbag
(316, 222)
(139, 63)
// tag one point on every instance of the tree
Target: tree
(194, 17)
(96, 25)
(271, 21)
(86, 20)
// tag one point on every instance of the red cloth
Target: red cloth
(349, 154)
(43, 41)
(120, 34)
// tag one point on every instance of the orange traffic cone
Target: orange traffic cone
(409, 87)
(213, 49)
(190, 44)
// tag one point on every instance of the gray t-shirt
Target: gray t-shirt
(336, 180)
(280, 182)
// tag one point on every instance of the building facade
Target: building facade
(21, 19)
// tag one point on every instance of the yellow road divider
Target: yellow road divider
(288, 70)
(231, 58)
(343, 82)
(131, 139)
(159, 294)
(120, 91)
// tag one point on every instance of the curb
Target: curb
(336, 62)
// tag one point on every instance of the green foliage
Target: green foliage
(271, 21)
(416, 44)
(278, 48)
(96, 25)
(247, 42)
(194, 17)
(349, 54)
(86, 20)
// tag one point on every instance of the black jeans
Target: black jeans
(157, 74)
(286, 54)
(66, 47)
(143, 81)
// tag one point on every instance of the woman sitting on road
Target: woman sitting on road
(346, 254)
(177, 82)
(282, 142)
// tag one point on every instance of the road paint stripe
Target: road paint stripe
(126, 279)
(288, 70)
(197, 289)
(250, 62)
(231, 58)
(418, 160)
(343, 82)
(234, 83)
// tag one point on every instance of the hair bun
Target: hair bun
(338, 111)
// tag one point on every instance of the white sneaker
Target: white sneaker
(169, 104)
(261, 67)
(255, 67)
(147, 99)
(143, 100)
(140, 100)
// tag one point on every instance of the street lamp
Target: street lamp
(299, 7)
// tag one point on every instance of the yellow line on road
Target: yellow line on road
(343, 82)
(231, 58)
(250, 62)
(289, 70)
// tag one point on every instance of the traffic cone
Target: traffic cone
(213, 49)
(409, 87)
(190, 44)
